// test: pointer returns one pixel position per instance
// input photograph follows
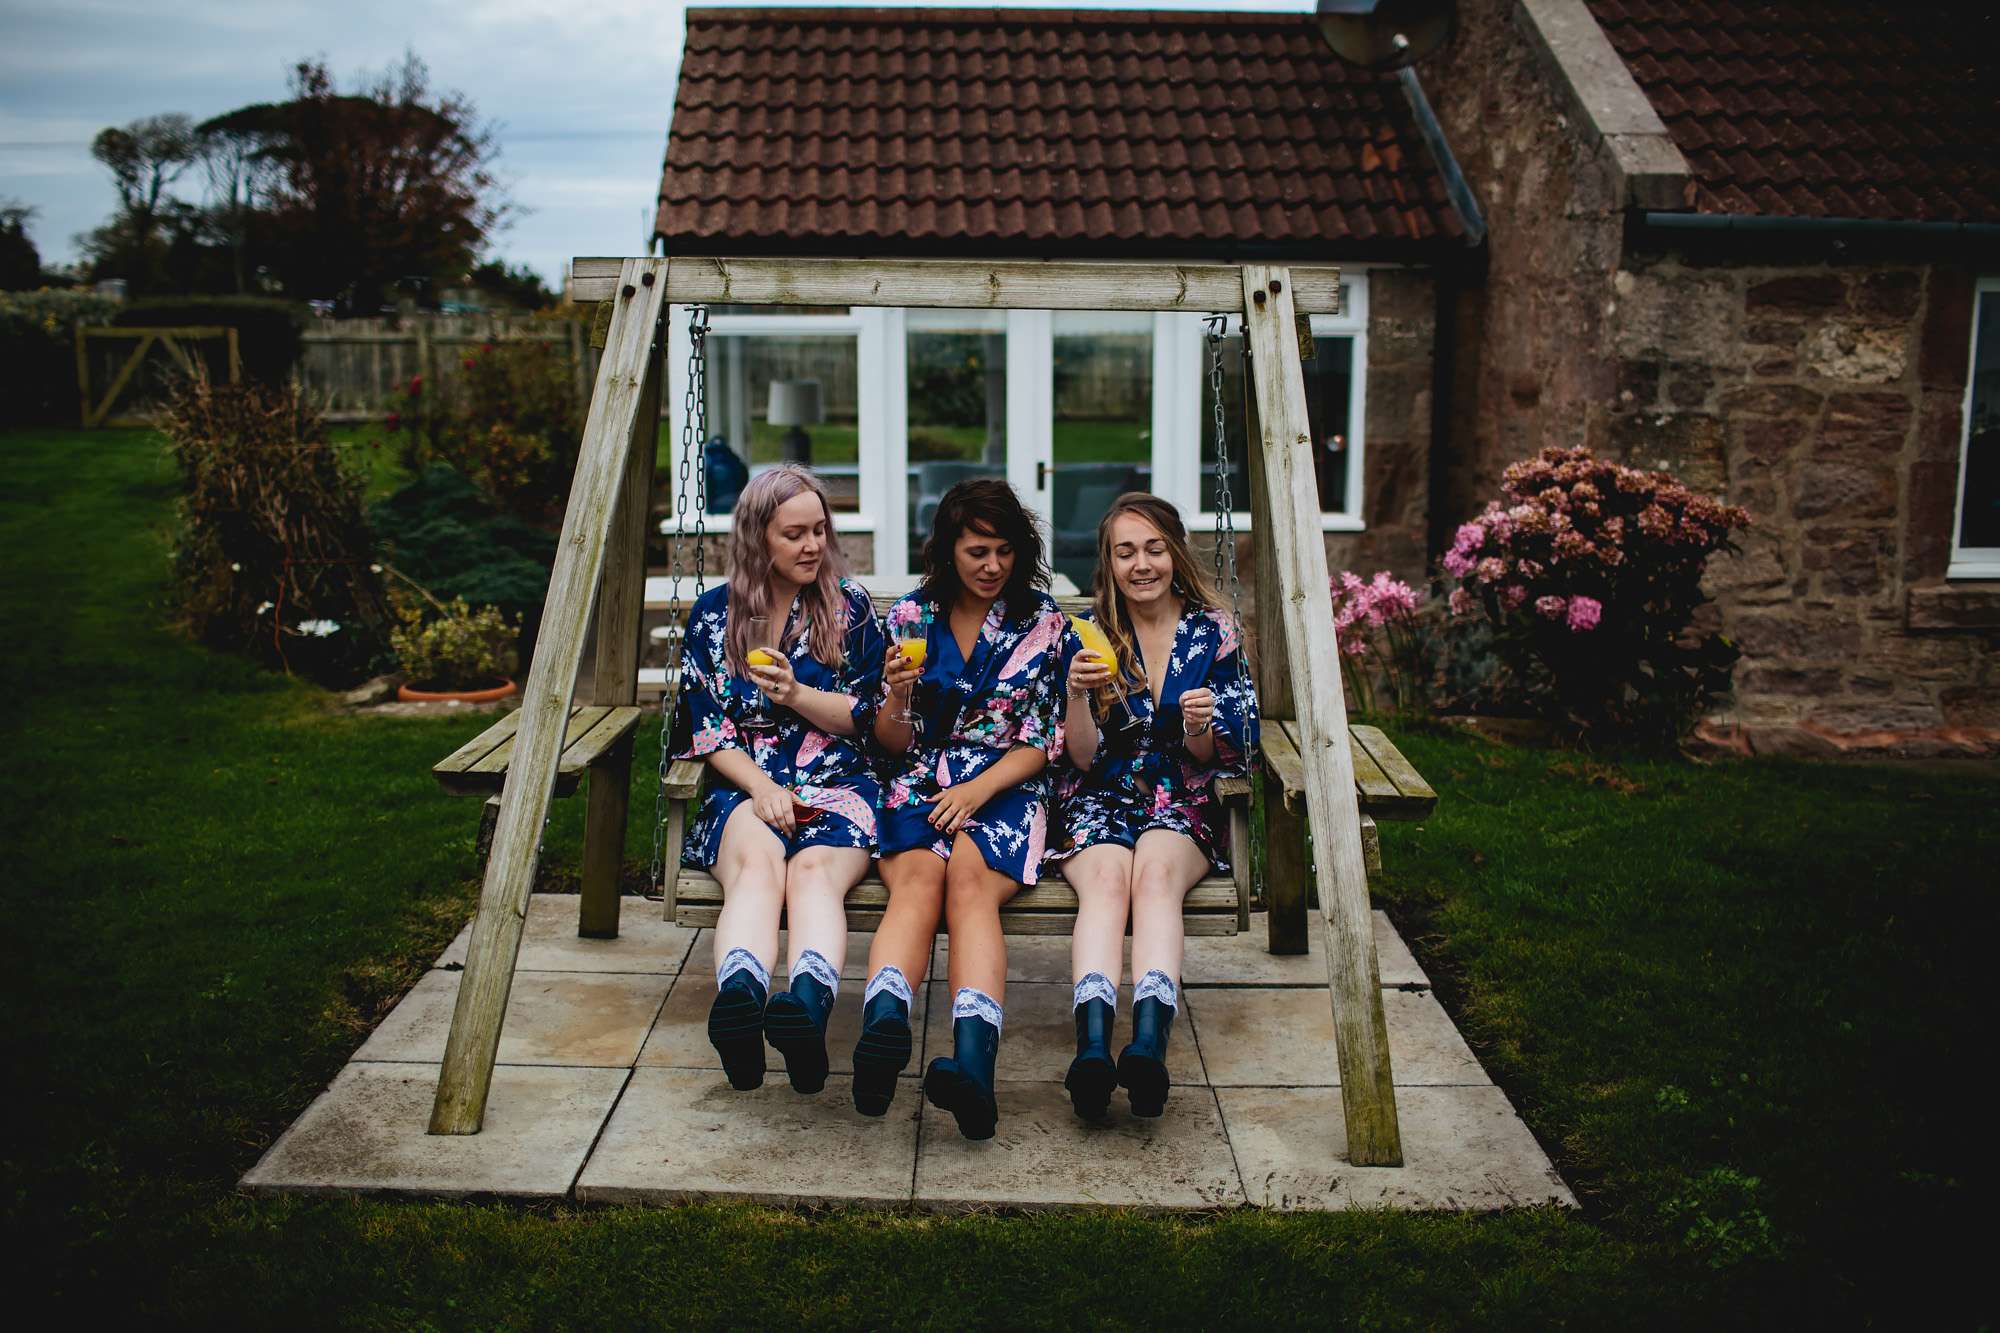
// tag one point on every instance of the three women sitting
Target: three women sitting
(966, 710)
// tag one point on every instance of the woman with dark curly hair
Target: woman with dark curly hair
(970, 715)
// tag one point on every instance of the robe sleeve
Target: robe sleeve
(708, 725)
(1042, 720)
(865, 645)
(1235, 722)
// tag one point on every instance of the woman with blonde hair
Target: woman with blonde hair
(1145, 737)
(780, 678)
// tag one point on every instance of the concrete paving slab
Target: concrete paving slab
(1463, 1148)
(1036, 958)
(679, 1039)
(1043, 1156)
(1242, 960)
(1283, 1036)
(1038, 1038)
(367, 1133)
(646, 941)
(681, 1134)
(553, 1018)
(701, 959)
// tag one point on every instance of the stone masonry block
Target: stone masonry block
(1797, 294)
(1844, 489)
(1770, 400)
(1945, 349)
(1865, 353)
(1692, 315)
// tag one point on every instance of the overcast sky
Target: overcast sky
(581, 94)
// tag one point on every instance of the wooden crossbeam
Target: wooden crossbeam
(1367, 1091)
(625, 376)
(1030, 284)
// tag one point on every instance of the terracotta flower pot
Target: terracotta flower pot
(411, 695)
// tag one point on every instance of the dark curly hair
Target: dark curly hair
(989, 506)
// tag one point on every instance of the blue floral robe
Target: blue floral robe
(1142, 776)
(829, 773)
(969, 714)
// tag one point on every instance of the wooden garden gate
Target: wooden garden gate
(601, 560)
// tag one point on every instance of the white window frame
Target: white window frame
(864, 324)
(882, 409)
(1180, 370)
(1971, 562)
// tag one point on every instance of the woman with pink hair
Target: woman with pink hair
(781, 677)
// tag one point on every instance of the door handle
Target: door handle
(1041, 476)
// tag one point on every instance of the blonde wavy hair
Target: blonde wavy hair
(821, 603)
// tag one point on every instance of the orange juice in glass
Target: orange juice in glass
(913, 642)
(759, 717)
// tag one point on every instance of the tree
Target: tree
(144, 158)
(370, 188)
(20, 262)
(238, 168)
(511, 285)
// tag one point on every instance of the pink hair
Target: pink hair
(821, 604)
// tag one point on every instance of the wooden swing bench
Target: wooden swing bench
(599, 573)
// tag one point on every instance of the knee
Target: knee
(1155, 886)
(966, 890)
(1113, 888)
(807, 880)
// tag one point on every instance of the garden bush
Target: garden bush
(38, 352)
(455, 647)
(273, 556)
(267, 330)
(1590, 575)
(441, 532)
(511, 425)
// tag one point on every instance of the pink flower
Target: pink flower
(1550, 608)
(1461, 602)
(1584, 613)
(1512, 596)
(1492, 569)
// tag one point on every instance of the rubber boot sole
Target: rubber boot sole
(882, 1053)
(793, 1034)
(1145, 1079)
(1090, 1081)
(736, 1030)
(949, 1089)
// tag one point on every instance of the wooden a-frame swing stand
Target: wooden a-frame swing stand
(600, 560)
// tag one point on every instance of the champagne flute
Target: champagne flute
(913, 642)
(759, 718)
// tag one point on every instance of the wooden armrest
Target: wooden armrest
(684, 779)
(1281, 757)
(1232, 788)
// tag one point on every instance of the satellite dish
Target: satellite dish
(1386, 34)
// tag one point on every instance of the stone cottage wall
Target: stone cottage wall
(1824, 396)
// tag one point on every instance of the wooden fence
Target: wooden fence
(361, 369)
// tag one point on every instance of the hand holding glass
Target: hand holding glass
(913, 644)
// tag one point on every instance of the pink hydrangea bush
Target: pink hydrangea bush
(1590, 575)
(1375, 623)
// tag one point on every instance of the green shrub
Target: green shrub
(38, 352)
(273, 557)
(511, 426)
(455, 647)
(443, 533)
(267, 330)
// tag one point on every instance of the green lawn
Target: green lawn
(1737, 1003)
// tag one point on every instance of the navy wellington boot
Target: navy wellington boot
(1142, 1066)
(882, 1053)
(962, 1083)
(795, 1024)
(1092, 1075)
(736, 1029)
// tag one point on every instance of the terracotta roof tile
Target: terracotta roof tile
(1823, 108)
(1038, 131)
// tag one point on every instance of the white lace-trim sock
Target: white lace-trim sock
(889, 979)
(972, 1003)
(1157, 985)
(814, 964)
(742, 960)
(1095, 986)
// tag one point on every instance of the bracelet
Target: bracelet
(1201, 730)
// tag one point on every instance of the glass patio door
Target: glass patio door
(1099, 428)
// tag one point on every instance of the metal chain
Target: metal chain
(1225, 529)
(694, 433)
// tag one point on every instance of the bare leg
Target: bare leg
(1165, 865)
(816, 885)
(750, 867)
(973, 897)
(915, 880)
(1102, 878)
